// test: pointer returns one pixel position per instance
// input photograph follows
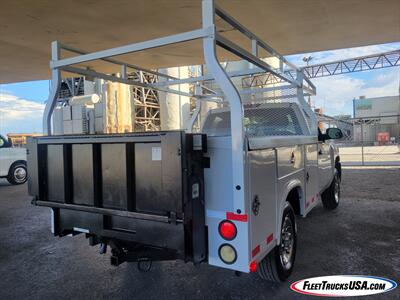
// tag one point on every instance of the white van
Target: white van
(12, 162)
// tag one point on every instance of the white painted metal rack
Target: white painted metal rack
(210, 39)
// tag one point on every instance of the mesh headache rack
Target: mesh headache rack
(284, 85)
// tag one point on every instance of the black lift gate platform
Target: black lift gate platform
(143, 194)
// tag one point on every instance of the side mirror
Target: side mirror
(334, 133)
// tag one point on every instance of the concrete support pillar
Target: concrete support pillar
(175, 109)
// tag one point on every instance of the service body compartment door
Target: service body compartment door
(290, 160)
(262, 164)
(311, 174)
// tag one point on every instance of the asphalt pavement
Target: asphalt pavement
(361, 237)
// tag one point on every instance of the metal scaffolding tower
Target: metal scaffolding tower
(145, 102)
(146, 108)
(70, 87)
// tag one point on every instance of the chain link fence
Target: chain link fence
(372, 141)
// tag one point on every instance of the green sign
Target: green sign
(363, 104)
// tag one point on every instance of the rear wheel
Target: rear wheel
(331, 196)
(278, 264)
(17, 173)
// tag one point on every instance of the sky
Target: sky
(22, 104)
(335, 93)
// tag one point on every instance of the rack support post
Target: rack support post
(236, 109)
(54, 89)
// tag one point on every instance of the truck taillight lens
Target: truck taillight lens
(227, 230)
(227, 254)
(253, 267)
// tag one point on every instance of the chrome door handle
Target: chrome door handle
(292, 158)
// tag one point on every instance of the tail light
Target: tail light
(227, 230)
(253, 267)
(227, 253)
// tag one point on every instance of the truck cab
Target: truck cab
(12, 162)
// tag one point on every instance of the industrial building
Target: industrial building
(377, 120)
(20, 139)
(93, 106)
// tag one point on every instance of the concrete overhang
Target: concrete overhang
(27, 28)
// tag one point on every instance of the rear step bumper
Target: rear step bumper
(105, 211)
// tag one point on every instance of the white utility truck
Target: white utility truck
(225, 191)
(12, 162)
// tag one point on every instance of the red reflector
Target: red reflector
(270, 238)
(255, 251)
(227, 230)
(235, 217)
(253, 267)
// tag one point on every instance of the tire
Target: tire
(272, 267)
(17, 173)
(331, 196)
